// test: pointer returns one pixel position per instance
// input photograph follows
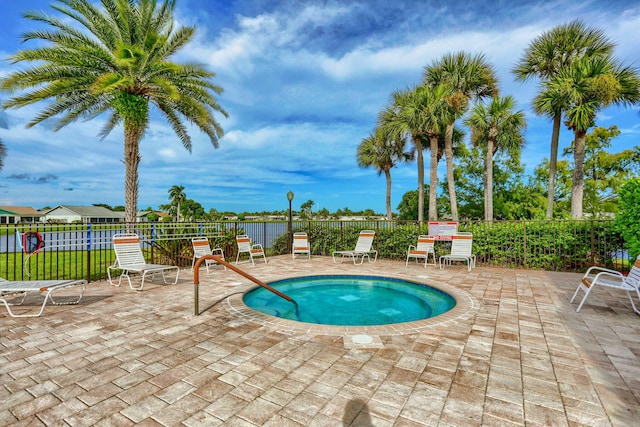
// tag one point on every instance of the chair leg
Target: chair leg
(575, 294)
(586, 294)
(633, 304)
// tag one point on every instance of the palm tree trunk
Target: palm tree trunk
(448, 152)
(577, 188)
(132, 135)
(387, 175)
(553, 165)
(420, 159)
(433, 179)
(488, 181)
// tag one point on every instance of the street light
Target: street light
(289, 237)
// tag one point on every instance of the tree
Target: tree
(588, 85)
(3, 153)
(466, 77)
(383, 154)
(408, 206)
(605, 172)
(418, 113)
(177, 196)
(118, 61)
(192, 210)
(562, 186)
(547, 55)
(307, 209)
(495, 127)
(628, 220)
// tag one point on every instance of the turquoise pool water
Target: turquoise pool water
(350, 300)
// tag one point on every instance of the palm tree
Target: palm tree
(416, 114)
(546, 56)
(3, 153)
(118, 60)
(468, 77)
(588, 85)
(495, 127)
(383, 154)
(177, 196)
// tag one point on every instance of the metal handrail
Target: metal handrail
(219, 260)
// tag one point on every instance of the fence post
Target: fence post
(593, 246)
(524, 249)
(89, 252)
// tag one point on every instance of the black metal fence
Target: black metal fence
(85, 250)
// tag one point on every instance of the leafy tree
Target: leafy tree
(628, 220)
(545, 57)
(324, 213)
(466, 77)
(605, 172)
(116, 60)
(153, 217)
(468, 174)
(307, 209)
(192, 210)
(383, 154)
(408, 206)
(588, 85)
(562, 186)
(514, 199)
(495, 127)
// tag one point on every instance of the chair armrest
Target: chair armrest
(256, 246)
(612, 274)
(595, 270)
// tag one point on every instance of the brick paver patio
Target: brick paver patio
(517, 353)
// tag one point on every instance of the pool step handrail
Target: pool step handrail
(219, 260)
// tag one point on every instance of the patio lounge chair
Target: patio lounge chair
(254, 250)
(201, 248)
(300, 245)
(461, 244)
(130, 259)
(422, 250)
(26, 287)
(598, 276)
(362, 249)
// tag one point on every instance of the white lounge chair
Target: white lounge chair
(598, 276)
(422, 250)
(461, 250)
(201, 248)
(254, 250)
(130, 259)
(21, 289)
(300, 245)
(362, 249)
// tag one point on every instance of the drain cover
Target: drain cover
(362, 339)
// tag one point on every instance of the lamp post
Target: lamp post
(290, 199)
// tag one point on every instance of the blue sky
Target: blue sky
(303, 84)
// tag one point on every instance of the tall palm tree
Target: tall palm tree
(495, 127)
(177, 196)
(383, 154)
(546, 56)
(416, 114)
(468, 77)
(588, 85)
(116, 59)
